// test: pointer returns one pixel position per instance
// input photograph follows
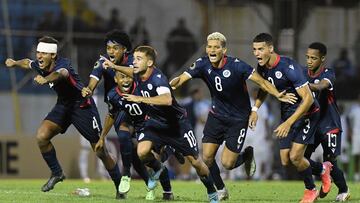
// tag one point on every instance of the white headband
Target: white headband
(47, 47)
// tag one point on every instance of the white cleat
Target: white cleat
(343, 197)
(223, 194)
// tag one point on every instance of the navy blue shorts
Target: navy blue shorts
(232, 131)
(120, 118)
(179, 136)
(84, 116)
(330, 142)
(302, 131)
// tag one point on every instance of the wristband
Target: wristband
(254, 108)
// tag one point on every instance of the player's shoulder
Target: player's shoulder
(236, 61)
(200, 63)
(62, 63)
(288, 63)
(98, 63)
(112, 94)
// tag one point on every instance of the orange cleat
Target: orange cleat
(326, 179)
(310, 196)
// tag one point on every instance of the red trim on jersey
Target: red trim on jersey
(334, 131)
(330, 98)
(223, 62)
(311, 111)
(72, 80)
(125, 59)
(316, 74)
(276, 61)
(145, 79)
(86, 103)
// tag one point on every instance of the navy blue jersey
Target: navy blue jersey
(329, 112)
(69, 89)
(151, 87)
(287, 74)
(135, 112)
(227, 85)
(99, 71)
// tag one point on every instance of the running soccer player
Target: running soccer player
(299, 120)
(328, 134)
(135, 116)
(166, 122)
(70, 108)
(228, 119)
(118, 47)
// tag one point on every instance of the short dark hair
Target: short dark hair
(320, 47)
(264, 37)
(148, 51)
(119, 37)
(48, 39)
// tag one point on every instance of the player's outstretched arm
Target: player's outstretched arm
(108, 123)
(161, 100)
(323, 84)
(124, 69)
(270, 88)
(179, 80)
(307, 100)
(22, 63)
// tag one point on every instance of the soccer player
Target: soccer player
(299, 120)
(118, 47)
(166, 122)
(328, 134)
(70, 108)
(226, 78)
(135, 116)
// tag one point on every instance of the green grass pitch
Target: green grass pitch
(15, 190)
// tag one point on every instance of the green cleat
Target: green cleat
(124, 186)
(150, 195)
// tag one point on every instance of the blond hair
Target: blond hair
(217, 36)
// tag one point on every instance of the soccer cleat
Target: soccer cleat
(150, 195)
(154, 177)
(124, 186)
(213, 197)
(168, 196)
(223, 194)
(310, 196)
(250, 164)
(49, 185)
(120, 196)
(325, 179)
(343, 197)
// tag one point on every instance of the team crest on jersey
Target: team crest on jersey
(278, 74)
(291, 66)
(149, 86)
(193, 66)
(316, 81)
(97, 64)
(226, 73)
(141, 136)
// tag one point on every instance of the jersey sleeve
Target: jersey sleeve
(294, 73)
(244, 69)
(62, 64)
(195, 70)
(98, 70)
(161, 84)
(35, 66)
(329, 75)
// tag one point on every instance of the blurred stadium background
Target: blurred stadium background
(177, 29)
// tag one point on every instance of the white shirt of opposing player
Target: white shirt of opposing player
(354, 116)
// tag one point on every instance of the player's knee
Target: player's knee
(208, 160)
(228, 165)
(143, 152)
(42, 138)
(295, 158)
